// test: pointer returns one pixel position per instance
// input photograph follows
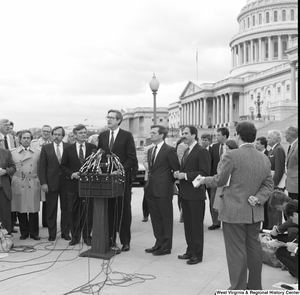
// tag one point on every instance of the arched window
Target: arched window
(260, 19)
(292, 14)
(284, 48)
(248, 22)
(283, 15)
(267, 17)
(276, 49)
(253, 20)
(244, 24)
(275, 16)
(267, 50)
(247, 53)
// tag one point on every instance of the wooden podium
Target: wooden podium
(100, 187)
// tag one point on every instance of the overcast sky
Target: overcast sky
(65, 61)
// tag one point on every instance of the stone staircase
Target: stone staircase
(280, 126)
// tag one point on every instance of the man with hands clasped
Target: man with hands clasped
(196, 160)
(241, 206)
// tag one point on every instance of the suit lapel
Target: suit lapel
(291, 151)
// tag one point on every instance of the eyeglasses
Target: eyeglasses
(110, 118)
(45, 131)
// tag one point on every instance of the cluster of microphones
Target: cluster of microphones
(94, 164)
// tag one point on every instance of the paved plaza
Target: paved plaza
(56, 268)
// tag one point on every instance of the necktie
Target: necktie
(289, 149)
(6, 143)
(185, 155)
(221, 149)
(153, 155)
(81, 157)
(112, 140)
(58, 154)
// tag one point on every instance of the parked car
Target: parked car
(140, 177)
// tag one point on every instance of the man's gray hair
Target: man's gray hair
(276, 134)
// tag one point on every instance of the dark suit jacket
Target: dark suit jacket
(197, 162)
(70, 163)
(215, 157)
(160, 177)
(6, 162)
(277, 159)
(123, 147)
(49, 170)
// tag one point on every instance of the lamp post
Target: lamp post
(258, 103)
(154, 84)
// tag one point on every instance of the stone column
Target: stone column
(226, 108)
(269, 49)
(293, 80)
(204, 112)
(201, 112)
(251, 52)
(194, 112)
(240, 54)
(279, 47)
(218, 110)
(245, 50)
(241, 104)
(222, 108)
(197, 113)
(214, 111)
(259, 50)
(230, 109)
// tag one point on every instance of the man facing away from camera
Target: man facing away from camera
(241, 206)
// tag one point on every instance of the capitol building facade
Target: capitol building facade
(262, 84)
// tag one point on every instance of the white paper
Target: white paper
(278, 285)
(196, 181)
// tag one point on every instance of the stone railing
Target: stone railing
(254, 118)
(286, 103)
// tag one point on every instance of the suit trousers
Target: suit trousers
(243, 251)
(213, 212)
(293, 196)
(81, 216)
(29, 224)
(161, 213)
(126, 214)
(51, 211)
(290, 262)
(120, 216)
(5, 211)
(193, 226)
(44, 214)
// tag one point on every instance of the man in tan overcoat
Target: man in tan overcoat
(26, 186)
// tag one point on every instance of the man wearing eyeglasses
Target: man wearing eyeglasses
(40, 142)
(120, 142)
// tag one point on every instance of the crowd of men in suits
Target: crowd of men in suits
(47, 169)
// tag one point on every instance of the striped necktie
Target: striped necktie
(185, 155)
(58, 154)
(153, 156)
(5, 142)
(112, 140)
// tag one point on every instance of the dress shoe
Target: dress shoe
(66, 237)
(73, 242)
(145, 219)
(51, 239)
(14, 231)
(125, 248)
(88, 242)
(23, 237)
(184, 256)
(115, 249)
(151, 250)
(212, 227)
(36, 238)
(161, 252)
(194, 260)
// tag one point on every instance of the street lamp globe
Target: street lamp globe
(154, 85)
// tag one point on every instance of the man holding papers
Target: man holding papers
(195, 161)
(241, 207)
